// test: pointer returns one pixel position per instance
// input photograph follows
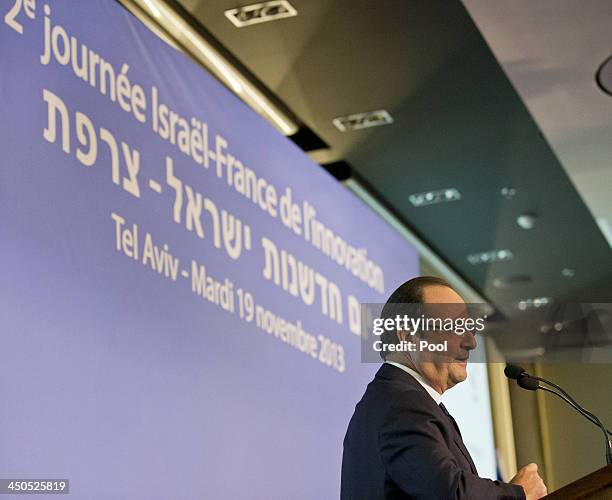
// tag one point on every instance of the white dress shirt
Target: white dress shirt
(437, 397)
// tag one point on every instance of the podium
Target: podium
(596, 486)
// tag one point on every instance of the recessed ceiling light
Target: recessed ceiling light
(508, 192)
(434, 197)
(490, 256)
(511, 281)
(359, 121)
(549, 327)
(568, 273)
(526, 221)
(533, 303)
(260, 13)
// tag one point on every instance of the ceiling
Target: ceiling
(550, 51)
(461, 120)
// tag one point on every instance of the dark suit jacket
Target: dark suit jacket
(401, 445)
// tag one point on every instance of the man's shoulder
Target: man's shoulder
(393, 389)
(393, 380)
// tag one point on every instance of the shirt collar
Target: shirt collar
(436, 396)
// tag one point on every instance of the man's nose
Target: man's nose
(468, 341)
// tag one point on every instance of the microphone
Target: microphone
(528, 383)
(513, 371)
(531, 383)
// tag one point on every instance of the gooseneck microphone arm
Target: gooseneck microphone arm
(526, 381)
(531, 383)
(571, 399)
(588, 415)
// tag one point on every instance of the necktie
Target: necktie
(450, 417)
(462, 447)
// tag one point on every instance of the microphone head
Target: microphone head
(513, 371)
(528, 383)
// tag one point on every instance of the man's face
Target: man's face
(444, 370)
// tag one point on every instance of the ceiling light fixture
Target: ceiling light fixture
(360, 121)
(533, 303)
(490, 256)
(260, 13)
(526, 221)
(512, 281)
(546, 328)
(434, 197)
(433, 260)
(566, 272)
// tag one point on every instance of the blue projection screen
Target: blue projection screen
(180, 283)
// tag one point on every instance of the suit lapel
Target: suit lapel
(390, 372)
(458, 439)
(466, 454)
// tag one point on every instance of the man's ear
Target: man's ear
(406, 335)
(402, 335)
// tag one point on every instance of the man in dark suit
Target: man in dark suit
(401, 442)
